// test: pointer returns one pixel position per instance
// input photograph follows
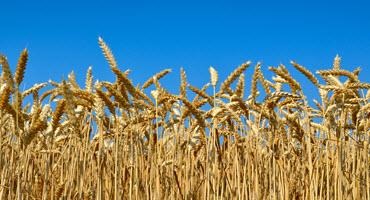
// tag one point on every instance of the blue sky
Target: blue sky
(147, 37)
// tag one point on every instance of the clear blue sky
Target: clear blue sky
(147, 37)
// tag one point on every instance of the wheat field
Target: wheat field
(255, 138)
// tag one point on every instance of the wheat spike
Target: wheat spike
(229, 80)
(183, 83)
(338, 72)
(157, 77)
(155, 94)
(337, 63)
(197, 114)
(58, 114)
(72, 80)
(201, 93)
(89, 80)
(7, 74)
(34, 88)
(21, 67)
(107, 53)
(103, 97)
(99, 104)
(281, 71)
(119, 98)
(122, 79)
(254, 82)
(306, 72)
(358, 86)
(265, 83)
(204, 88)
(37, 125)
(214, 76)
(5, 95)
(239, 90)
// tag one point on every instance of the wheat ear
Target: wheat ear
(214, 76)
(89, 80)
(107, 53)
(254, 82)
(235, 74)
(183, 83)
(7, 74)
(306, 73)
(21, 67)
(157, 76)
(239, 90)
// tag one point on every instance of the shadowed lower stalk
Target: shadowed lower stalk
(155, 94)
(100, 164)
(116, 174)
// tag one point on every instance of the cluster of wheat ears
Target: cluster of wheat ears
(119, 141)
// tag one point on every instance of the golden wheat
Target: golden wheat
(113, 141)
